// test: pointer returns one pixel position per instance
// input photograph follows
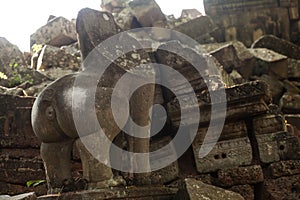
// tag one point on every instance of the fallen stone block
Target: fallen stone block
(87, 20)
(278, 45)
(235, 56)
(224, 155)
(147, 13)
(57, 32)
(269, 62)
(191, 189)
(267, 124)
(249, 175)
(200, 29)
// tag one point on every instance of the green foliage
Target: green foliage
(18, 79)
(3, 76)
(34, 183)
(37, 47)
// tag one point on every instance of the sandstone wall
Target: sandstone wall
(246, 21)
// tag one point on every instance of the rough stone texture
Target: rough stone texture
(89, 37)
(246, 191)
(27, 196)
(277, 146)
(269, 62)
(231, 130)
(238, 104)
(276, 86)
(190, 13)
(224, 155)
(293, 69)
(287, 187)
(266, 124)
(51, 56)
(16, 131)
(250, 25)
(138, 193)
(290, 103)
(240, 176)
(184, 67)
(235, 56)
(147, 13)
(10, 55)
(192, 189)
(57, 32)
(126, 20)
(284, 168)
(200, 29)
(215, 7)
(19, 172)
(278, 45)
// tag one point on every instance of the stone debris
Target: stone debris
(147, 13)
(200, 29)
(57, 32)
(10, 55)
(278, 45)
(196, 190)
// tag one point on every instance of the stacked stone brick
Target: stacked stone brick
(248, 20)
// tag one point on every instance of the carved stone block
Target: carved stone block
(224, 155)
(277, 146)
(240, 176)
(266, 124)
(231, 130)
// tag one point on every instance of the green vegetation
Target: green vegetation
(34, 183)
(37, 47)
(3, 76)
(18, 79)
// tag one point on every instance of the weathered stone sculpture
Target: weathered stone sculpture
(52, 117)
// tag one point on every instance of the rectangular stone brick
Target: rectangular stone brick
(17, 129)
(287, 187)
(277, 146)
(284, 168)
(21, 175)
(243, 100)
(240, 176)
(14, 189)
(231, 130)
(224, 155)
(265, 124)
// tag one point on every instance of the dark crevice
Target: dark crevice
(258, 188)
